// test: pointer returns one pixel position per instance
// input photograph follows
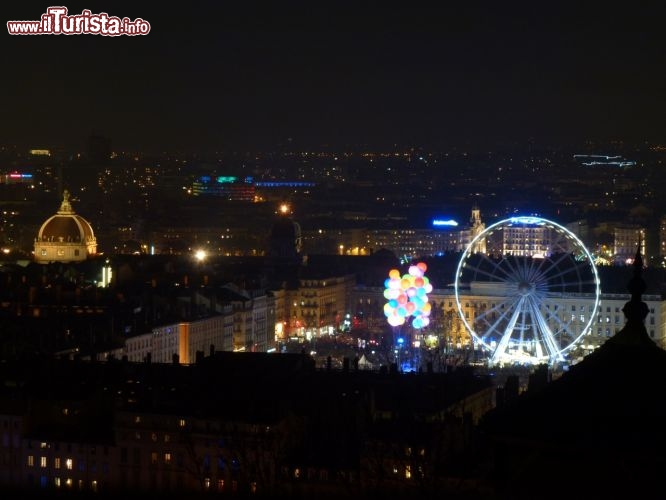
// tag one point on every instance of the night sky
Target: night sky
(219, 76)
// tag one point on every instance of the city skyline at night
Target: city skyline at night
(323, 250)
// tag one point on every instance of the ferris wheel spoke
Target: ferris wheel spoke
(508, 331)
(555, 263)
(534, 273)
(523, 328)
(564, 272)
(496, 266)
(539, 268)
(498, 307)
(493, 277)
(563, 327)
(553, 314)
(523, 268)
(548, 338)
(528, 313)
(513, 267)
(533, 308)
(494, 327)
(579, 285)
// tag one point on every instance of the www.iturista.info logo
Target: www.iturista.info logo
(55, 21)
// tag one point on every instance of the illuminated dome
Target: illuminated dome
(65, 236)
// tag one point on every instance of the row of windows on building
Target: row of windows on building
(562, 319)
(59, 252)
(66, 482)
(156, 458)
(64, 463)
(70, 483)
(556, 307)
(484, 305)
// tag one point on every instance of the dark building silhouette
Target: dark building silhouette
(284, 257)
(243, 424)
(98, 149)
(596, 431)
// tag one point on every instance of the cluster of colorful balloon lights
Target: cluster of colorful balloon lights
(407, 296)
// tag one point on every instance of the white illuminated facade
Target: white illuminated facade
(574, 309)
(444, 236)
(182, 339)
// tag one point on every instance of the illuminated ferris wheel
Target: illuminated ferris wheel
(531, 296)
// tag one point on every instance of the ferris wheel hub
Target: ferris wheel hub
(525, 288)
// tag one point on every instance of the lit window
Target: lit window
(42, 462)
(408, 471)
(56, 481)
(69, 463)
(31, 461)
(56, 462)
(167, 458)
(182, 422)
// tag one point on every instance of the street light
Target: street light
(200, 255)
(400, 342)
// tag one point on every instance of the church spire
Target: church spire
(634, 332)
(636, 310)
